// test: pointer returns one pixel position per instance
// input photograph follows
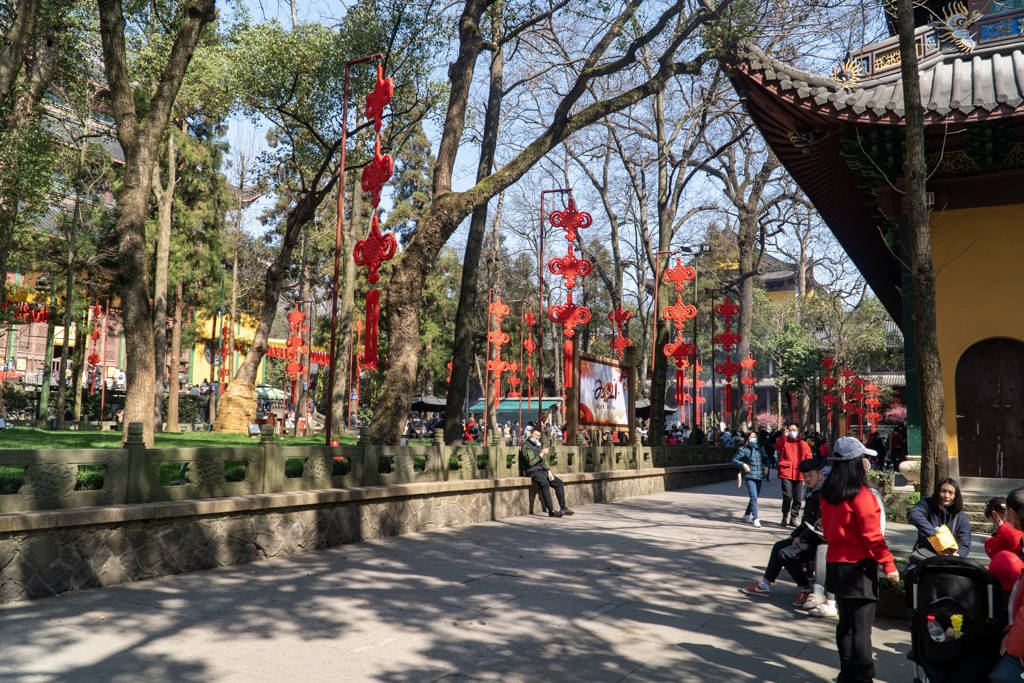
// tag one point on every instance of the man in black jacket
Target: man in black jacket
(531, 464)
(793, 552)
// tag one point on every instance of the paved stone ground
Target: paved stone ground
(643, 590)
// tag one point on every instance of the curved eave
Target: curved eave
(825, 178)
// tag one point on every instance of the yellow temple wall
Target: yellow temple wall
(977, 256)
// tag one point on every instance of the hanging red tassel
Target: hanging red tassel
(370, 347)
(680, 381)
(568, 363)
(728, 399)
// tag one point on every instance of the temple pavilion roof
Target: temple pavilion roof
(840, 136)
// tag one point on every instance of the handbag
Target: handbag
(1010, 669)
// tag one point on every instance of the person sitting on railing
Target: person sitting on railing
(532, 464)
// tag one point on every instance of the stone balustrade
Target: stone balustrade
(135, 474)
(152, 512)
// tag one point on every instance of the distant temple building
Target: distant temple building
(842, 140)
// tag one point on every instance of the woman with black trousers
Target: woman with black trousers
(850, 519)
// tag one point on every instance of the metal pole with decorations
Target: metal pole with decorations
(498, 311)
(874, 404)
(847, 391)
(828, 382)
(376, 248)
(699, 401)
(569, 315)
(679, 350)
(750, 396)
(728, 339)
(529, 371)
(859, 410)
(619, 317)
(94, 357)
(296, 348)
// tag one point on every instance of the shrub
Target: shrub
(896, 413)
(767, 421)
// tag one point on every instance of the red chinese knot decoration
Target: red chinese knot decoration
(569, 315)
(296, 347)
(530, 346)
(375, 248)
(620, 317)
(828, 381)
(750, 396)
(678, 313)
(728, 339)
(496, 366)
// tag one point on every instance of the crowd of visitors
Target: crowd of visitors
(837, 552)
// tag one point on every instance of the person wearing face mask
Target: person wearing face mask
(795, 551)
(750, 458)
(944, 507)
(531, 464)
(790, 451)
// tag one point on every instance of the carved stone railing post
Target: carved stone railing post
(273, 463)
(370, 456)
(139, 485)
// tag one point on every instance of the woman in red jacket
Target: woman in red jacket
(851, 521)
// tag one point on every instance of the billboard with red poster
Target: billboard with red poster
(604, 393)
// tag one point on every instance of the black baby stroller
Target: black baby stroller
(957, 615)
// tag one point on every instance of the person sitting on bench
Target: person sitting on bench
(531, 464)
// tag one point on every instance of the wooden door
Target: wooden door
(989, 401)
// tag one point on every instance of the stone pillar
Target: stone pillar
(273, 463)
(437, 465)
(139, 486)
(370, 457)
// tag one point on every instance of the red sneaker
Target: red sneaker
(802, 598)
(757, 589)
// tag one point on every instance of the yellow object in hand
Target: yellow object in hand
(943, 541)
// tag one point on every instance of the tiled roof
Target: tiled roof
(953, 85)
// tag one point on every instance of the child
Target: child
(1005, 537)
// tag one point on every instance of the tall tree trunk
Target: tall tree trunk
(238, 403)
(140, 139)
(303, 380)
(462, 348)
(172, 390)
(78, 370)
(659, 379)
(164, 204)
(934, 457)
(747, 244)
(69, 292)
(43, 406)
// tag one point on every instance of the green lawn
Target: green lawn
(25, 437)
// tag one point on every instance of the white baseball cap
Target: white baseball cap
(850, 448)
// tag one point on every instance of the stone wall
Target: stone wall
(49, 552)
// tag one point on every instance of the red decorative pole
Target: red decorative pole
(569, 315)
(858, 397)
(700, 400)
(873, 402)
(620, 317)
(295, 348)
(386, 86)
(678, 313)
(848, 405)
(540, 298)
(499, 311)
(828, 382)
(94, 357)
(530, 347)
(750, 397)
(728, 339)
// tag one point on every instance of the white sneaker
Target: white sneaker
(826, 610)
(813, 601)
(757, 523)
(748, 518)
